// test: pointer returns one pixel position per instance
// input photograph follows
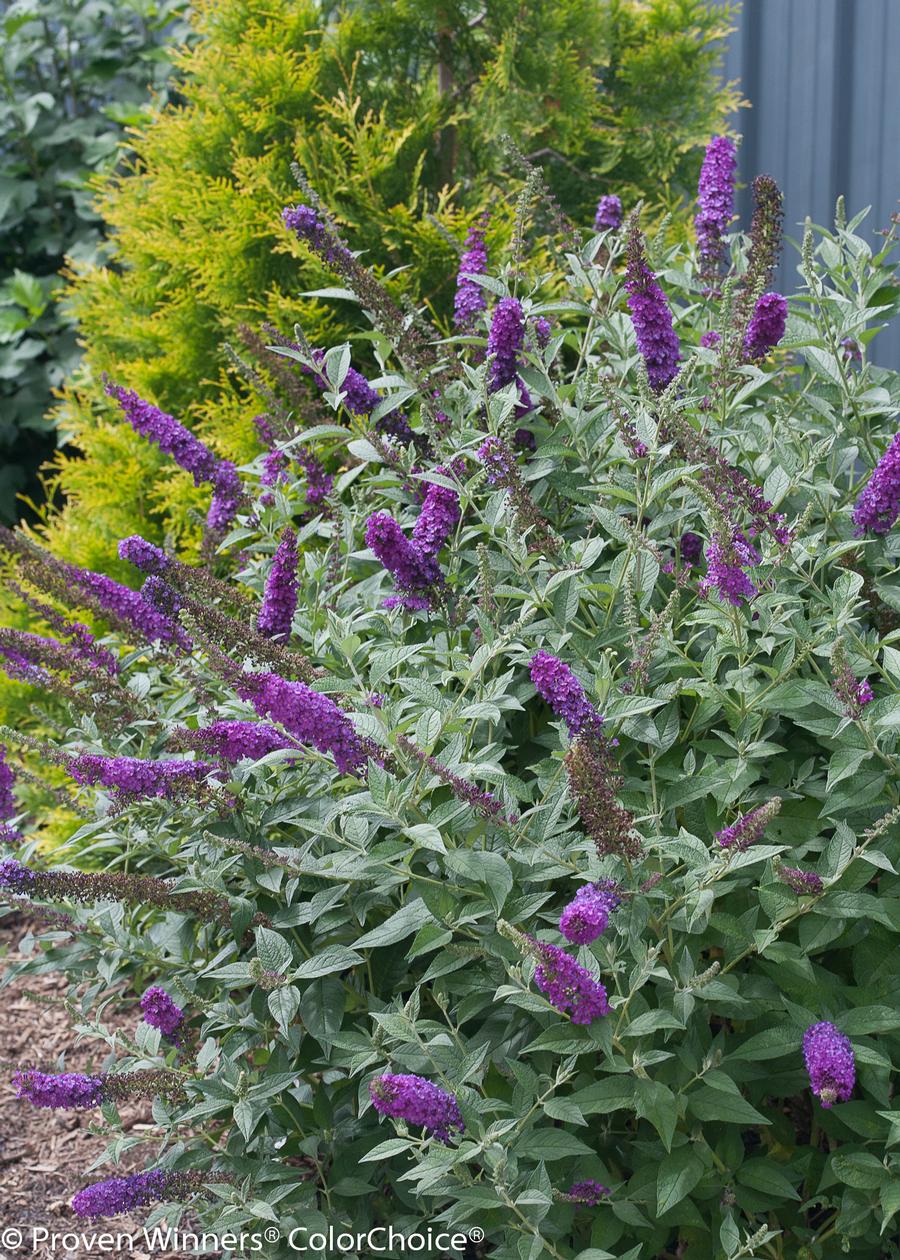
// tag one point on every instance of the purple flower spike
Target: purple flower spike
(766, 327)
(160, 1012)
(70, 1090)
(878, 507)
(133, 778)
(543, 330)
(829, 1062)
(416, 575)
(161, 596)
(188, 451)
(130, 606)
(144, 555)
(650, 315)
(586, 916)
(749, 828)
(123, 1194)
(309, 716)
(280, 599)
(234, 741)
(470, 299)
(691, 546)
(308, 227)
(568, 985)
(715, 197)
(16, 878)
(505, 341)
(438, 518)
(609, 213)
(419, 1101)
(226, 499)
(7, 779)
(557, 685)
(590, 1193)
(804, 883)
(725, 559)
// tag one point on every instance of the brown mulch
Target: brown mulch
(44, 1154)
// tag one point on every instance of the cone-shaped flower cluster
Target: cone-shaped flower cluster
(589, 1193)
(470, 299)
(417, 576)
(766, 327)
(878, 507)
(279, 604)
(804, 883)
(650, 315)
(609, 213)
(188, 451)
(594, 784)
(854, 693)
(483, 802)
(73, 1091)
(749, 828)
(93, 886)
(133, 778)
(233, 740)
(308, 715)
(830, 1063)
(411, 561)
(715, 197)
(66, 1090)
(159, 1011)
(123, 1194)
(129, 607)
(505, 342)
(569, 986)
(306, 223)
(557, 685)
(726, 559)
(144, 555)
(587, 915)
(8, 807)
(419, 1101)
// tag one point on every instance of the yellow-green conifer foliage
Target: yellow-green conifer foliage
(381, 115)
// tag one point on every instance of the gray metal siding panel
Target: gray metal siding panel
(820, 76)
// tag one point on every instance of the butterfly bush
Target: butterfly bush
(501, 832)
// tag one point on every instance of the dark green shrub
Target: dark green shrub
(73, 75)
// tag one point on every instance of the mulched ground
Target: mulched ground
(44, 1154)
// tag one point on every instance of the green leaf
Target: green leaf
(322, 1008)
(426, 837)
(860, 1170)
(771, 1044)
(550, 1144)
(273, 951)
(615, 1093)
(650, 1021)
(483, 867)
(332, 958)
(719, 1104)
(386, 1150)
(656, 1102)
(767, 1177)
(678, 1173)
(397, 927)
(868, 1019)
(283, 1005)
(890, 1201)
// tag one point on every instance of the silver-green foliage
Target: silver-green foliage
(690, 1099)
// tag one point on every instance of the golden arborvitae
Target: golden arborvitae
(381, 116)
